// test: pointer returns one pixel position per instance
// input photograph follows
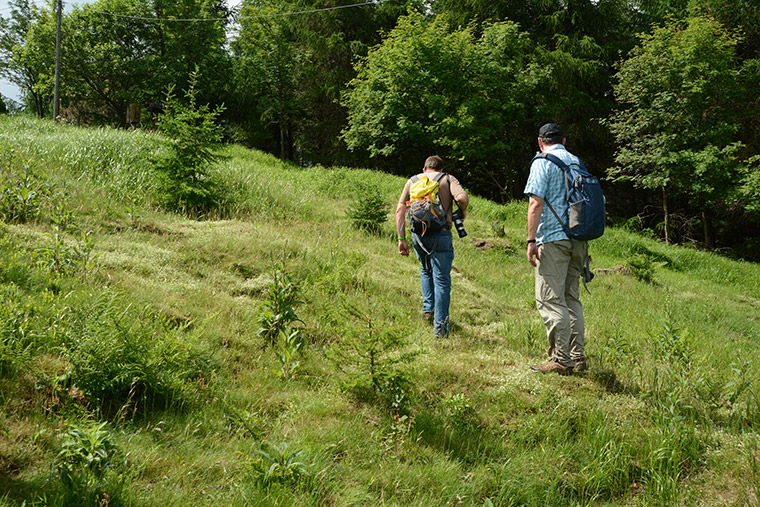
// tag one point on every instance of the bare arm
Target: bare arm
(535, 208)
(462, 201)
(403, 247)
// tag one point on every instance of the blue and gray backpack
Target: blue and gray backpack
(585, 215)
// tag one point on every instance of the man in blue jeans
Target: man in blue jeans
(435, 251)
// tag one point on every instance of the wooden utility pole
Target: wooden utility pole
(56, 94)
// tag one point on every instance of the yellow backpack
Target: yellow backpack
(424, 210)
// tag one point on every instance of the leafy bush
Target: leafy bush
(89, 466)
(186, 184)
(369, 211)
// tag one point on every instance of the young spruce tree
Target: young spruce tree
(192, 137)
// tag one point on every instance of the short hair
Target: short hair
(434, 162)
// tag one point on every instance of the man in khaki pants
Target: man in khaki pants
(557, 259)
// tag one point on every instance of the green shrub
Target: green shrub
(642, 266)
(89, 466)
(369, 211)
(125, 359)
(186, 184)
(370, 354)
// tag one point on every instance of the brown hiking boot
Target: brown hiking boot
(580, 365)
(427, 317)
(552, 366)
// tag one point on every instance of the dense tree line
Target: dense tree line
(658, 96)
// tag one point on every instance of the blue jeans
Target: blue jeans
(435, 276)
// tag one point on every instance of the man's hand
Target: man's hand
(533, 252)
(403, 248)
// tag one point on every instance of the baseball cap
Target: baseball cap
(550, 130)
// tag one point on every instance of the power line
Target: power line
(238, 18)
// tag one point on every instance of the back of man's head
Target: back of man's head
(434, 162)
(551, 133)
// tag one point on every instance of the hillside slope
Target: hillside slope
(139, 329)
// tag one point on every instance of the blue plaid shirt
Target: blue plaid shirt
(547, 181)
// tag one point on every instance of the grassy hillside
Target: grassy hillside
(133, 370)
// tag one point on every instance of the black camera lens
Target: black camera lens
(457, 218)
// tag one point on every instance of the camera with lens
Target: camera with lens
(457, 217)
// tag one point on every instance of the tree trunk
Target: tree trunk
(665, 212)
(709, 231)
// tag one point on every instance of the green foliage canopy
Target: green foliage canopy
(428, 89)
(23, 60)
(678, 127)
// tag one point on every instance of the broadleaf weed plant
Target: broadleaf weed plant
(22, 194)
(280, 464)
(59, 257)
(288, 346)
(672, 346)
(89, 465)
(458, 411)
(133, 211)
(278, 313)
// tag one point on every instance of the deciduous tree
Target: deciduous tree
(678, 125)
(428, 88)
(22, 62)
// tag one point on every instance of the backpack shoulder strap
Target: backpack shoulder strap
(559, 163)
(553, 159)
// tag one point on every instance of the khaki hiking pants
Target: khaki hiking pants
(558, 297)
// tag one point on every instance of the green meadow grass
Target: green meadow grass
(159, 339)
